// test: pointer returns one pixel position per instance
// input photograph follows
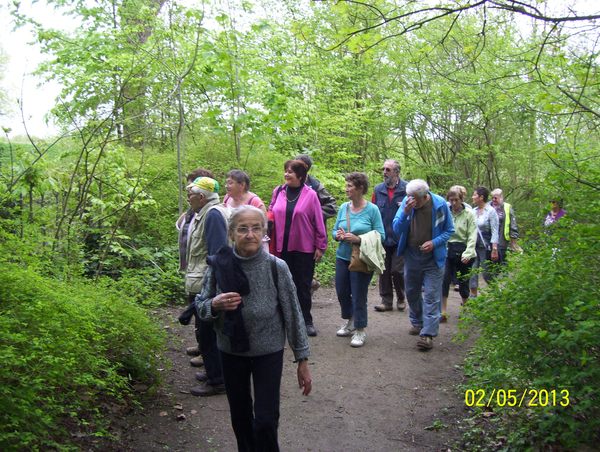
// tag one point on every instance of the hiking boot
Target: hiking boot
(205, 390)
(415, 330)
(310, 330)
(197, 361)
(383, 307)
(425, 342)
(201, 376)
(358, 340)
(401, 305)
(193, 351)
(347, 329)
(314, 286)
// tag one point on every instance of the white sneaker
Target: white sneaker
(347, 329)
(358, 340)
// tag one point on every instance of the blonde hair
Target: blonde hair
(456, 190)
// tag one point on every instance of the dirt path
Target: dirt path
(385, 396)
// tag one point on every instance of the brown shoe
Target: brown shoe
(443, 318)
(197, 361)
(193, 351)
(205, 390)
(401, 305)
(383, 307)
(314, 286)
(201, 376)
(425, 342)
(415, 330)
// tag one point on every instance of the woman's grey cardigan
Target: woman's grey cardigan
(261, 311)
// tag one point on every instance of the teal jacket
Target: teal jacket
(442, 228)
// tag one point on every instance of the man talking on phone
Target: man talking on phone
(424, 225)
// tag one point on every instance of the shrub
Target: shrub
(540, 329)
(63, 346)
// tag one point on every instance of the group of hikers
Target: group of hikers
(249, 272)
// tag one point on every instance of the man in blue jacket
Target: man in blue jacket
(388, 196)
(424, 224)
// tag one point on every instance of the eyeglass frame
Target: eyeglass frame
(255, 230)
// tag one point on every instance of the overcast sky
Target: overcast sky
(24, 58)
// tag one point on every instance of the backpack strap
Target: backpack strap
(273, 260)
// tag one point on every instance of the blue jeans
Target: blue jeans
(485, 266)
(352, 289)
(421, 270)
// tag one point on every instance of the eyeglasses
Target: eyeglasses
(230, 182)
(387, 170)
(552, 201)
(495, 197)
(243, 230)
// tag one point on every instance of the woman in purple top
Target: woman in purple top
(556, 213)
(300, 235)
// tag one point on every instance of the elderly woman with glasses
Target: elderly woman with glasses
(249, 295)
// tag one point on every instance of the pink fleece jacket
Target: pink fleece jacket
(307, 232)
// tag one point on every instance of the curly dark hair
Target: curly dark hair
(359, 180)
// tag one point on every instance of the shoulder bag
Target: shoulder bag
(356, 265)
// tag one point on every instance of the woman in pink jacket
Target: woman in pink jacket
(300, 236)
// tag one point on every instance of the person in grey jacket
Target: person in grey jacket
(254, 308)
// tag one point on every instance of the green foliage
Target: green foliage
(64, 347)
(150, 276)
(540, 329)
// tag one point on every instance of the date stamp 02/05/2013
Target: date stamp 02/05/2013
(512, 397)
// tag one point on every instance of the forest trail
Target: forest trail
(385, 396)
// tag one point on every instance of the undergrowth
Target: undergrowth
(539, 337)
(64, 346)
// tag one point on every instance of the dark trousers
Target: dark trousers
(302, 268)
(192, 300)
(207, 342)
(392, 277)
(255, 425)
(455, 267)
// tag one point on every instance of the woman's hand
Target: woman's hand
(340, 233)
(304, 378)
(228, 301)
(494, 254)
(465, 260)
(349, 237)
(318, 255)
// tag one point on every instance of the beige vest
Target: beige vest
(197, 250)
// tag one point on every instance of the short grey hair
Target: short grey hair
(417, 187)
(396, 163)
(244, 209)
(497, 192)
(207, 194)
